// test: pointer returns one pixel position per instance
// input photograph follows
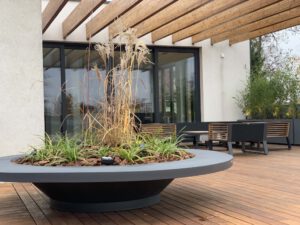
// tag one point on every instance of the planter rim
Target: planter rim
(204, 162)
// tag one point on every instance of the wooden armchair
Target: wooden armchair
(219, 132)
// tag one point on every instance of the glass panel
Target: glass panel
(143, 90)
(176, 74)
(52, 90)
(83, 88)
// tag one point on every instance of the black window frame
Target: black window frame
(155, 49)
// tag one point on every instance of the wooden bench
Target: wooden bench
(159, 129)
(279, 129)
(254, 132)
(238, 132)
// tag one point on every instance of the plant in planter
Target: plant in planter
(70, 169)
(271, 95)
(272, 90)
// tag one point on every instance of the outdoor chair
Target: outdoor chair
(278, 130)
(273, 130)
(159, 129)
(219, 132)
(239, 133)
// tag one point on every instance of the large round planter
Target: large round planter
(110, 188)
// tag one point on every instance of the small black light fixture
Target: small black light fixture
(107, 160)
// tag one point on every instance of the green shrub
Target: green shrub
(271, 94)
(66, 150)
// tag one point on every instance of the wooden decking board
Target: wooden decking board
(269, 184)
(202, 216)
(170, 212)
(198, 207)
(12, 209)
(191, 218)
(54, 217)
(85, 219)
(134, 219)
(237, 207)
(35, 212)
(146, 217)
(233, 197)
(101, 219)
(261, 201)
(117, 218)
(228, 215)
(162, 217)
(257, 190)
(243, 195)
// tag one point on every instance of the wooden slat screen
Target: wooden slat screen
(218, 131)
(159, 129)
(278, 129)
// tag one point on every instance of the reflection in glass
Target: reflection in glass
(84, 90)
(52, 90)
(142, 89)
(175, 85)
(176, 74)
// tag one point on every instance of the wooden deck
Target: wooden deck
(258, 189)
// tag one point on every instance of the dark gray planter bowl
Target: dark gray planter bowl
(110, 188)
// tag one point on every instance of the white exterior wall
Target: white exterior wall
(224, 68)
(21, 76)
(224, 73)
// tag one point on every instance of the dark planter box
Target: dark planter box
(243, 132)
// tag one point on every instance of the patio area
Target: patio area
(257, 189)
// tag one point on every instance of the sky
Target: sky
(292, 42)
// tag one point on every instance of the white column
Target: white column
(21, 76)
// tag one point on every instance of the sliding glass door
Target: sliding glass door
(176, 77)
(52, 90)
(83, 88)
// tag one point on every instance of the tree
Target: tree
(273, 88)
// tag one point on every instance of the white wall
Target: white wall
(224, 72)
(224, 68)
(21, 76)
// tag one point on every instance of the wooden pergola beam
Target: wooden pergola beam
(227, 15)
(170, 13)
(112, 11)
(51, 11)
(224, 31)
(266, 30)
(140, 12)
(79, 14)
(193, 17)
(243, 31)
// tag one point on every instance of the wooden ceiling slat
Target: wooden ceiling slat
(243, 32)
(139, 13)
(225, 16)
(51, 11)
(195, 16)
(224, 31)
(79, 14)
(113, 10)
(170, 13)
(266, 30)
(289, 14)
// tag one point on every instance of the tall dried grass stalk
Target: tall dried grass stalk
(114, 124)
